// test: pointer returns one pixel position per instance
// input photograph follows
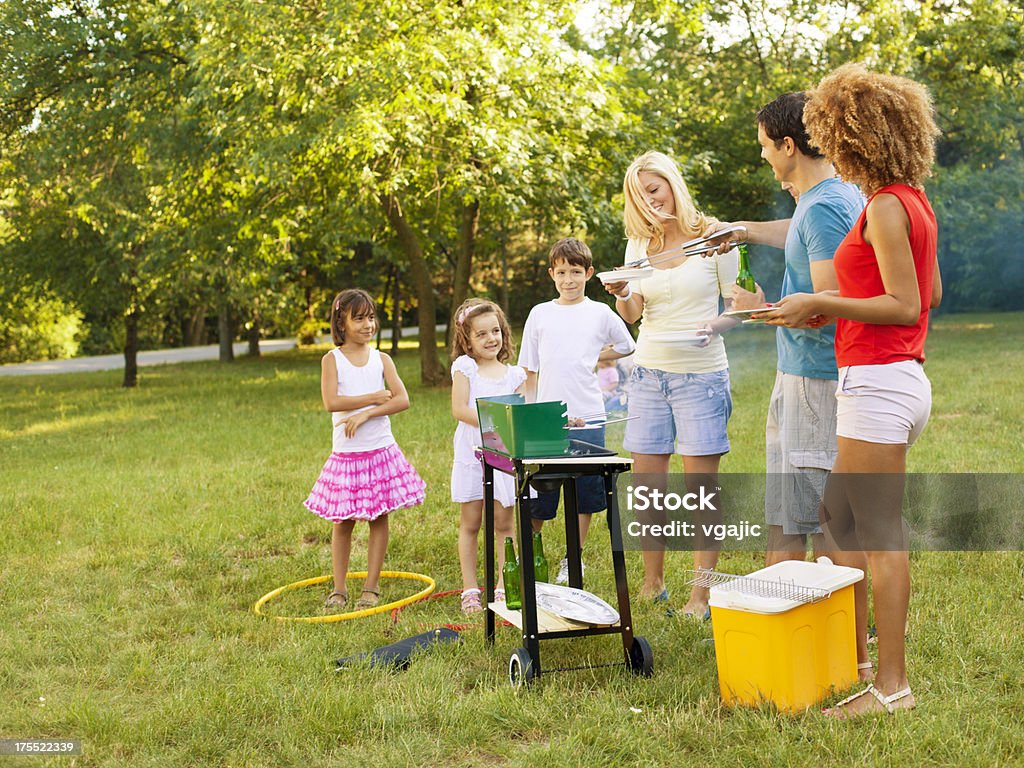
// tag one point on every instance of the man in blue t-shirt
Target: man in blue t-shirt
(800, 435)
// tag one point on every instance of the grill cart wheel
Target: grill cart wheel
(641, 657)
(520, 668)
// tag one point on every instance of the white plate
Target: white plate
(575, 604)
(678, 338)
(618, 275)
(747, 312)
(751, 321)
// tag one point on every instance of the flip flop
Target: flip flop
(886, 701)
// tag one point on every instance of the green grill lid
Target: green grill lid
(512, 427)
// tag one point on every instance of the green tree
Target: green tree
(90, 95)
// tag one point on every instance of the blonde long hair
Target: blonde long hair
(639, 217)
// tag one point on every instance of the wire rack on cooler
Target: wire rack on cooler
(747, 585)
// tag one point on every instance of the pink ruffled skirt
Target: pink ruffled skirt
(364, 486)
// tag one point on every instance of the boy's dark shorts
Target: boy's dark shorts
(590, 493)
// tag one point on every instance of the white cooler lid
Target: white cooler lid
(823, 575)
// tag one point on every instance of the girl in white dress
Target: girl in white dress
(481, 343)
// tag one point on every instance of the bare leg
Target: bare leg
(820, 548)
(783, 546)
(377, 548)
(701, 469)
(870, 501)
(840, 538)
(653, 554)
(584, 527)
(341, 549)
(470, 516)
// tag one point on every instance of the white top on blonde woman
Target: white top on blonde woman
(677, 302)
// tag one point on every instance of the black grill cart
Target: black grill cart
(574, 460)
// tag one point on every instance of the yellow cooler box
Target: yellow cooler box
(785, 634)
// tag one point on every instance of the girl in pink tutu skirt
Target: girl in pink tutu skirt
(481, 343)
(366, 476)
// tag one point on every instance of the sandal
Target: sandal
(336, 600)
(368, 602)
(885, 701)
(499, 595)
(866, 665)
(471, 600)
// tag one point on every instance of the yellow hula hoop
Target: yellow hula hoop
(351, 614)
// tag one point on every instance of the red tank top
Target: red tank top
(859, 277)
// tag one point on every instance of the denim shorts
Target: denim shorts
(590, 496)
(684, 413)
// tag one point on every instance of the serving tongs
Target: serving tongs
(689, 248)
(603, 421)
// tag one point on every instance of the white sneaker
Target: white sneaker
(563, 571)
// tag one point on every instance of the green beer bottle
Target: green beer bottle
(540, 563)
(745, 278)
(510, 574)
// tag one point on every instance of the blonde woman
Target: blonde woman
(678, 393)
(879, 132)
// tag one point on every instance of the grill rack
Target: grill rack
(748, 585)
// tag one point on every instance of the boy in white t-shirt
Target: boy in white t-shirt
(561, 345)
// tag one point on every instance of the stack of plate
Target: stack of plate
(619, 275)
(694, 338)
(575, 605)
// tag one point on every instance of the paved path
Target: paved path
(151, 357)
(163, 356)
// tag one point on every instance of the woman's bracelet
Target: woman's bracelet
(627, 297)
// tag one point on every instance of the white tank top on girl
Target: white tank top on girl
(374, 433)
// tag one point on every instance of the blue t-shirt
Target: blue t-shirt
(823, 216)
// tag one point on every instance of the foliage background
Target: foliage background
(176, 172)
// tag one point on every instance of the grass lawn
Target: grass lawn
(142, 525)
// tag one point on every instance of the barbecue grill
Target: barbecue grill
(531, 442)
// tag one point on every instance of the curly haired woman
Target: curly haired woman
(879, 132)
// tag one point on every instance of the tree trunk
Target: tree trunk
(431, 371)
(396, 313)
(503, 298)
(384, 304)
(196, 334)
(253, 331)
(464, 259)
(254, 338)
(131, 349)
(224, 335)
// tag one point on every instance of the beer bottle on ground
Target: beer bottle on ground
(540, 563)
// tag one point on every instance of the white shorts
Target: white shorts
(883, 403)
(468, 484)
